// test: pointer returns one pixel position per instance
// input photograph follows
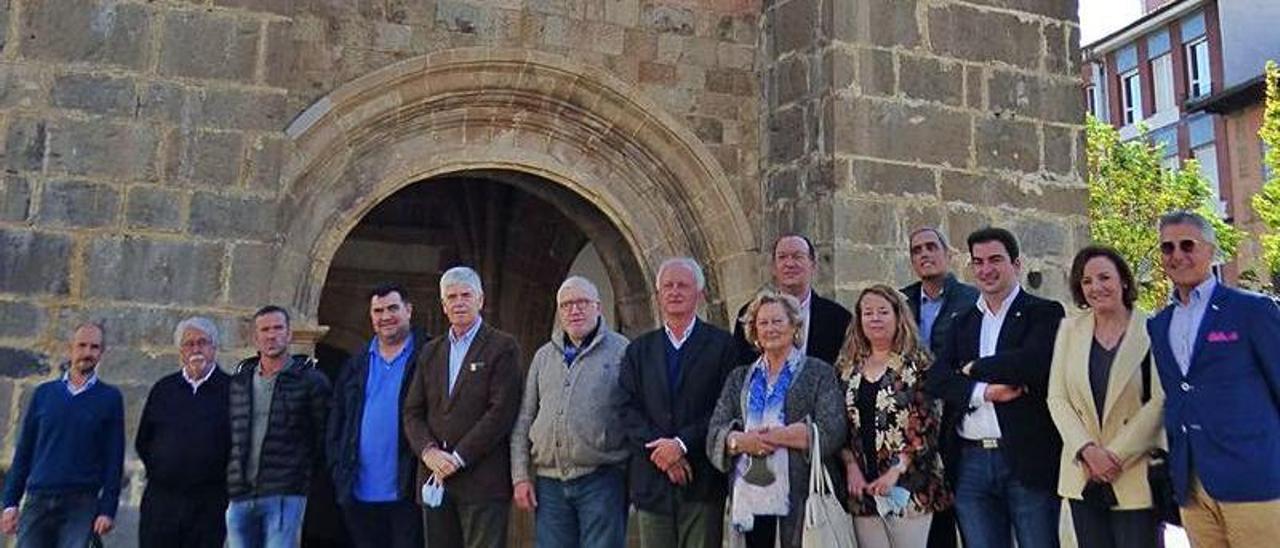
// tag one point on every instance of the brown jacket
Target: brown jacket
(475, 421)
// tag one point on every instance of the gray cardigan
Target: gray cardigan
(568, 421)
(816, 396)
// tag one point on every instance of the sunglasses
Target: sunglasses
(1187, 246)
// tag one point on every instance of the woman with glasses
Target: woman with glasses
(759, 432)
(1095, 397)
(892, 466)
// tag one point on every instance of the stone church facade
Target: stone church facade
(164, 158)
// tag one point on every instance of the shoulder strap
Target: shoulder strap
(1146, 378)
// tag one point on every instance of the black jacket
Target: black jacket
(1024, 351)
(958, 297)
(828, 323)
(294, 444)
(183, 438)
(651, 411)
(346, 413)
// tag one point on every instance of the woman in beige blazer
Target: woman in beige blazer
(1095, 397)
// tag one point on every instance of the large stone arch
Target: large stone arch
(481, 109)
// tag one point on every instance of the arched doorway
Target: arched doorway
(523, 234)
(519, 117)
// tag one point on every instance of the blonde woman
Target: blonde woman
(1095, 397)
(893, 423)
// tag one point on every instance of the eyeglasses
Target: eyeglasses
(796, 257)
(580, 304)
(198, 343)
(1187, 246)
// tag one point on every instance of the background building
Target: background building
(1190, 71)
(165, 157)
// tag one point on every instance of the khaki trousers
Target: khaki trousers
(1213, 524)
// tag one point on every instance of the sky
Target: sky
(1099, 18)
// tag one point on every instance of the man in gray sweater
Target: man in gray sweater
(567, 454)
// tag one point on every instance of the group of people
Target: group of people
(938, 407)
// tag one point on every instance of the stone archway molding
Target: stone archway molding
(515, 110)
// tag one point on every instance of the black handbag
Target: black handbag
(1101, 496)
(1163, 502)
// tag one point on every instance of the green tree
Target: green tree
(1266, 203)
(1129, 191)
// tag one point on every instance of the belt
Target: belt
(984, 443)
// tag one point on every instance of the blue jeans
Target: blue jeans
(585, 512)
(266, 522)
(989, 499)
(62, 520)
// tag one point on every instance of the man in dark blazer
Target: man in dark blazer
(794, 263)
(939, 297)
(458, 416)
(936, 301)
(671, 379)
(1001, 447)
(1217, 350)
(372, 465)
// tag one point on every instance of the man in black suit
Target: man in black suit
(794, 263)
(670, 380)
(936, 301)
(993, 375)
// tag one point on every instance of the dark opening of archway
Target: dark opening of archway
(523, 234)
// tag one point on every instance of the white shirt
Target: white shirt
(982, 421)
(195, 383)
(671, 335)
(76, 391)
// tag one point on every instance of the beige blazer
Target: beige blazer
(1128, 428)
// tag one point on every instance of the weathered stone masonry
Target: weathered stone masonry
(148, 174)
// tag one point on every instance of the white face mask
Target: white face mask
(433, 492)
(894, 504)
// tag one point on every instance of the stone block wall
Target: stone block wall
(142, 143)
(884, 115)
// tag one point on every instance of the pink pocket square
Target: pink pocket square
(1223, 336)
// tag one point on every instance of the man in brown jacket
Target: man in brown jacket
(458, 416)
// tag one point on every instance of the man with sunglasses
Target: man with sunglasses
(1217, 351)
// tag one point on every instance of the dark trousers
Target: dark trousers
(942, 530)
(990, 501)
(1102, 528)
(466, 525)
(62, 520)
(384, 524)
(585, 512)
(763, 533)
(693, 524)
(178, 519)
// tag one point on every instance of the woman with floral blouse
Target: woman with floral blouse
(892, 465)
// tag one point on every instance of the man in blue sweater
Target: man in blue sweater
(70, 455)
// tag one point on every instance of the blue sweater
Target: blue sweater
(70, 444)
